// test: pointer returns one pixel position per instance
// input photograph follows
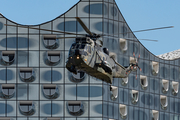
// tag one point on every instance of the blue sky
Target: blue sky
(139, 14)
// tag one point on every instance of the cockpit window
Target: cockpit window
(82, 46)
(89, 49)
(77, 46)
(73, 46)
(85, 48)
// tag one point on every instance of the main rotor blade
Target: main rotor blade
(133, 39)
(84, 26)
(141, 39)
(148, 29)
(45, 29)
(153, 29)
(149, 40)
(67, 37)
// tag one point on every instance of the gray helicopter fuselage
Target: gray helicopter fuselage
(86, 55)
(83, 56)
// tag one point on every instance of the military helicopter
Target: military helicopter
(86, 54)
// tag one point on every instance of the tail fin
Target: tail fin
(120, 71)
(123, 72)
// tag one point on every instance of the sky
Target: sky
(139, 14)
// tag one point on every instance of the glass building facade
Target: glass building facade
(35, 84)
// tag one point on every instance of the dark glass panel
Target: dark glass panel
(23, 42)
(70, 25)
(11, 42)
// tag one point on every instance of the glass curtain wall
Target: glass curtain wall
(33, 62)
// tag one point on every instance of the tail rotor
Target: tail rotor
(135, 65)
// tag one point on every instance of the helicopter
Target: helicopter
(88, 55)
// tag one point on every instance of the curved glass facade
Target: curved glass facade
(31, 46)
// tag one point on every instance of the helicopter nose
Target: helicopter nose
(77, 52)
